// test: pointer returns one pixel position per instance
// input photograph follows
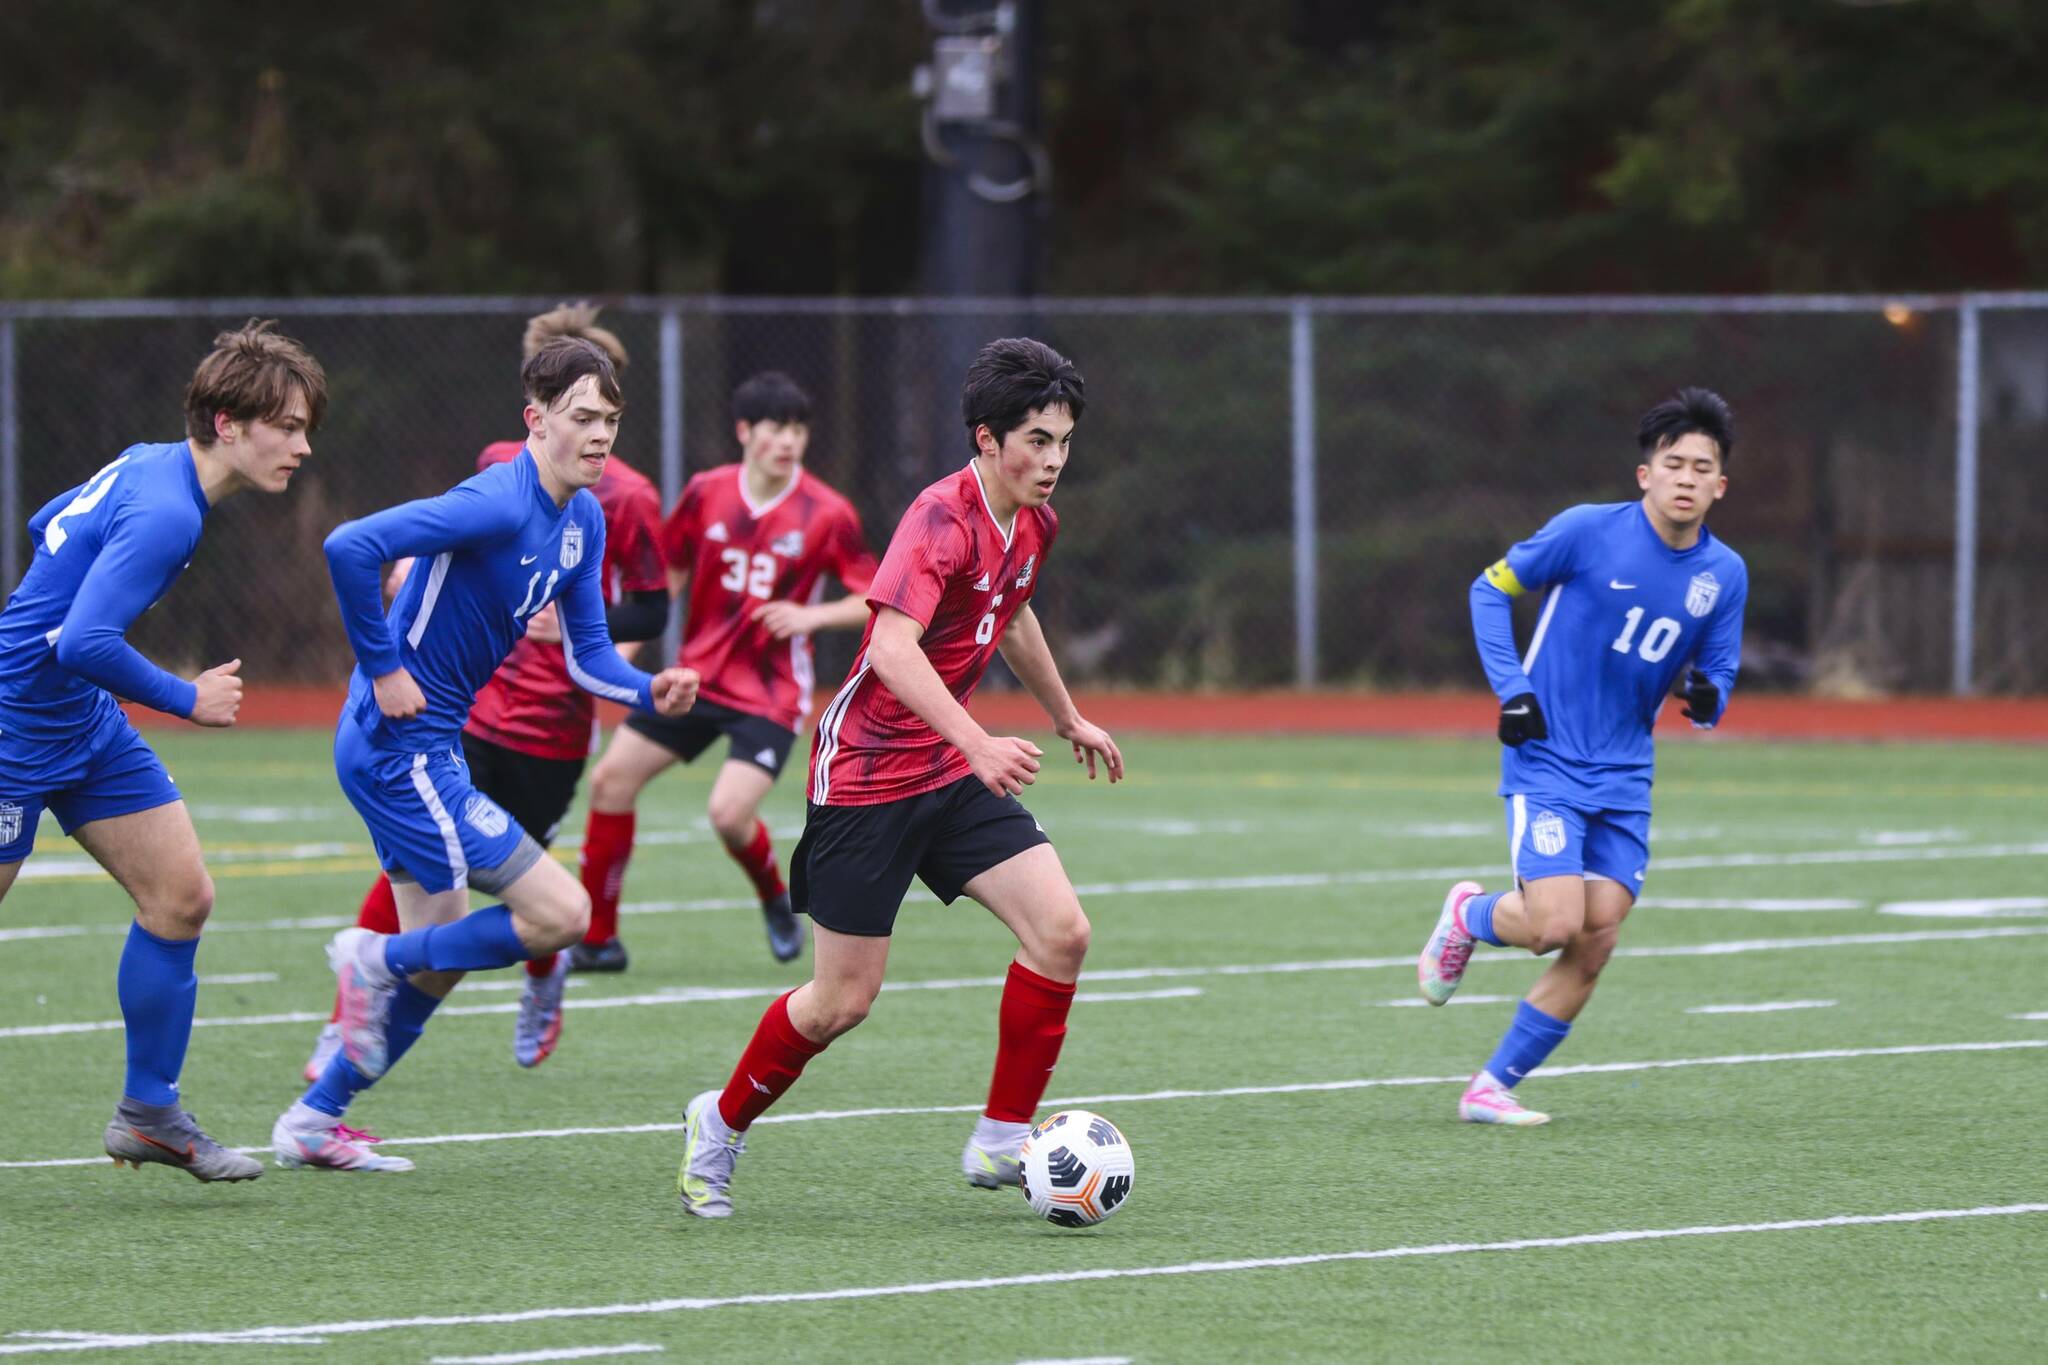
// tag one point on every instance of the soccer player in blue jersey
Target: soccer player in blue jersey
(105, 551)
(491, 552)
(1637, 591)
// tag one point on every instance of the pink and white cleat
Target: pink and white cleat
(1486, 1100)
(306, 1137)
(366, 988)
(1442, 964)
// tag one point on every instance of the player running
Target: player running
(1637, 591)
(904, 782)
(753, 542)
(532, 727)
(499, 547)
(105, 552)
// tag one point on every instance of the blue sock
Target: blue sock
(1479, 917)
(1532, 1037)
(477, 942)
(340, 1083)
(158, 991)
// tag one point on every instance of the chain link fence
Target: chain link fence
(1263, 493)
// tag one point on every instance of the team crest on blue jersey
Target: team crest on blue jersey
(1024, 577)
(10, 822)
(1701, 593)
(1547, 833)
(789, 546)
(486, 816)
(572, 545)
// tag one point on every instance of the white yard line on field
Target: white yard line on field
(631, 1348)
(1145, 1096)
(694, 995)
(1766, 1007)
(1170, 993)
(1998, 907)
(1282, 881)
(1417, 1002)
(27, 1343)
(238, 979)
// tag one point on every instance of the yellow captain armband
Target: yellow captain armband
(1501, 576)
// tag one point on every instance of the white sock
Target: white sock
(370, 957)
(995, 1135)
(304, 1118)
(1486, 1080)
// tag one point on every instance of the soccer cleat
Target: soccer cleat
(539, 1026)
(1442, 964)
(327, 1145)
(168, 1136)
(324, 1048)
(785, 930)
(991, 1170)
(710, 1150)
(608, 956)
(365, 1000)
(1488, 1101)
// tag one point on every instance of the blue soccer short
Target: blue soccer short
(107, 772)
(1550, 838)
(429, 824)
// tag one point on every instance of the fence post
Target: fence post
(671, 444)
(1304, 463)
(10, 467)
(1967, 376)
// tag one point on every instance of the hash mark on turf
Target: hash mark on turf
(1766, 1007)
(631, 1348)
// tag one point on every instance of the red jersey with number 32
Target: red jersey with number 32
(529, 705)
(951, 566)
(741, 556)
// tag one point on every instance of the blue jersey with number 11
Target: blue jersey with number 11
(1624, 615)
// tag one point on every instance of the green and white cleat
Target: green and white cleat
(1486, 1100)
(990, 1160)
(165, 1135)
(710, 1151)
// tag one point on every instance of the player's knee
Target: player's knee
(565, 917)
(184, 907)
(734, 820)
(1552, 934)
(613, 789)
(1066, 942)
(837, 1012)
(1592, 948)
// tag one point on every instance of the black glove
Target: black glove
(1521, 718)
(1702, 698)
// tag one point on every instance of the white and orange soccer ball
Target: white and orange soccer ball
(1077, 1168)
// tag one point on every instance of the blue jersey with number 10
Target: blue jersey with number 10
(1624, 615)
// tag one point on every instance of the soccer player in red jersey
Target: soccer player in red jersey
(531, 729)
(751, 542)
(904, 782)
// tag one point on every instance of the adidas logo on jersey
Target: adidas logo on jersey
(981, 583)
(717, 532)
(790, 546)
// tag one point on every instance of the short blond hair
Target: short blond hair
(572, 320)
(252, 373)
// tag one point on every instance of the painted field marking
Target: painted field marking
(1415, 1002)
(1136, 1097)
(1290, 881)
(2034, 1017)
(1767, 1007)
(238, 979)
(1995, 907)
(1766, 906)
(1104, 997)
(694, 995)
(26, 1343)
(1080, 1360)
(631, 1348)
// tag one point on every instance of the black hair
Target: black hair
(771, 396)
(1689, 410)
(560, 363)
(1012, 378)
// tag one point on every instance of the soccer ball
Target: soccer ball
(1077, 1168)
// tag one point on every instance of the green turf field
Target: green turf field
(1303, 1190)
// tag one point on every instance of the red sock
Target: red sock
(757, 860)
(540, 966)
(379, 912)
(769, 1066)
(607, 847)
(1034, 1024)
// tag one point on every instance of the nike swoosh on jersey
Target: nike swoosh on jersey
(1619, 586)
(1515, 711)
(527, 559)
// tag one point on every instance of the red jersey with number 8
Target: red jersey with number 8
(961, 575)
(741, 556)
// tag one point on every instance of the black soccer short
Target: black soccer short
(760, 742)
(534, 791)
(854, 863)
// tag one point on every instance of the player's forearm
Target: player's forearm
(911, 679)
(355, 565)
(1493, 631)
(848, 613)
(593, 661)
(1030, 658)
(104, 659)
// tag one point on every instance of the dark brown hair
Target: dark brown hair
(252, 374)
(560, 362)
